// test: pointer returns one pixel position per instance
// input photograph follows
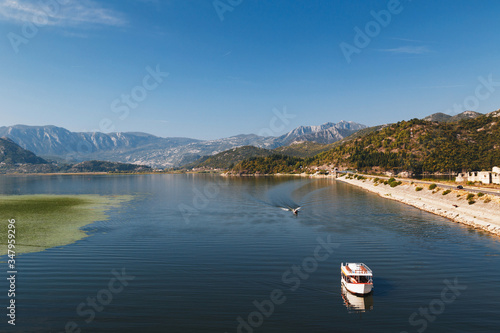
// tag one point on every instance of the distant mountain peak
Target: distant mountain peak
(467, 115)
(494, 113)
(325, 133)
(446, 118)
(439, 116)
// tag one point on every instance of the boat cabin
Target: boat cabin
(356, 273)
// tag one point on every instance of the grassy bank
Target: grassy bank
(45, 221)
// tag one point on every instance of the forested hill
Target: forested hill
(419, 145)
(272, 164)
(104, 166)
(14, 159)
(229, 158)
(415, 145)
(11, 153)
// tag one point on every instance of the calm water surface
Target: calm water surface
(207, 253)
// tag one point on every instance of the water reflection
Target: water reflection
(357, 304)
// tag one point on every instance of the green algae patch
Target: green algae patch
(45, 221)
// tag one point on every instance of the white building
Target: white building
(485, 177)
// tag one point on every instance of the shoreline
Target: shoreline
(483, 214)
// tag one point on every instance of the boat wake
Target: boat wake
(280, 197)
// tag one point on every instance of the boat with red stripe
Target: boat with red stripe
(356, 278)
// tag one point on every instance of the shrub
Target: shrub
(419, 189)
(376, 180)
(480, 194)
(432, 186)
(386, 182)
(394, 184)
(470, 183)
(392, 179)
(446, 192)
(470, 196)
(458, 195)
(471, 202)
(487, 200)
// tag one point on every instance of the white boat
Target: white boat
(356, 278)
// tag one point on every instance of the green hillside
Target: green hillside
(14, 159)
(228, 158)
(103, 166)
(269, 165)
(358, 134)
(439, 117)
(416, 145)
(422, 146)
(11, 153)
(303, 149)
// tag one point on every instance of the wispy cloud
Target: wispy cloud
(445, 86)
(72, 34)
(410, 40)
(408, 50)
(69, 13)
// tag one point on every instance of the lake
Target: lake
(204, 253)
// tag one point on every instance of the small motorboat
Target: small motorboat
(295, 211)
(356, 278)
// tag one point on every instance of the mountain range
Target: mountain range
(62, 145)
(15, 159)
(434, 144)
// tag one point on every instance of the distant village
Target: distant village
(485, 177)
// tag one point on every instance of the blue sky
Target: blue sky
(234, 64)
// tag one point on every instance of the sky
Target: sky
(209, 69)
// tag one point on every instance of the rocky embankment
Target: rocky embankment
(481, 212)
